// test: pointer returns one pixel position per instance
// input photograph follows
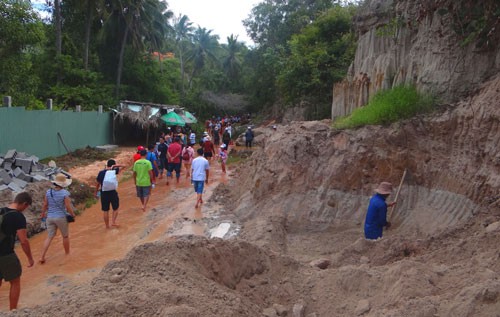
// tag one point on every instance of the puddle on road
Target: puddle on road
(92, 246)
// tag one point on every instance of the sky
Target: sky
(223, 17)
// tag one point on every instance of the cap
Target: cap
(140, 148)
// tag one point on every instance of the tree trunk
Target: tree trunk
(57, 19)
(182, 71)
(88, 24)
(120, 62)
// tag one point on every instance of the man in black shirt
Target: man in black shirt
(14, 223)
(107, 184)
(162, 155)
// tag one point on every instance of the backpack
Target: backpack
(186, 156)
(3, 212)
(110, 182)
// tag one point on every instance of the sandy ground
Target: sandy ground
(283, 234)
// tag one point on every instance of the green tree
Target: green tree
(21, 32)
(203, 53)
(320, 56)
(183, 29)
(273, 22)
(232, 62)
(133, 21)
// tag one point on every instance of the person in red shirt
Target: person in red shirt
(137, 155)
(208, 148)
(174, 159)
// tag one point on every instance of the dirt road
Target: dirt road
(92, 246)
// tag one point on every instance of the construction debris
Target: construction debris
(18, 169)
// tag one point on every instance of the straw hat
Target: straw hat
(62, 181)
(384, 188)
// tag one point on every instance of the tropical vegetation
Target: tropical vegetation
(97, 52)
(388, 106)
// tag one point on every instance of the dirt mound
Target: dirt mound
(187, 277)
(299, 202)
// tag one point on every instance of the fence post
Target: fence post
(7, 101)
(78, 108)
(48, 104)
(100, 109)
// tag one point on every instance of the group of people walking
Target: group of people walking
(57, 213)
(169, 156)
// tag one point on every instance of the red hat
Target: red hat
(140, 148)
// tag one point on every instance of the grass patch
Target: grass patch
(388, 106)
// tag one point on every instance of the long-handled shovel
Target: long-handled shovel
(391, 211)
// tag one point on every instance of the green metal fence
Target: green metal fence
(47, 133)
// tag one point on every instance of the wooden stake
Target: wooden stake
(397, 195)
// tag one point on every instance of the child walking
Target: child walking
(223, 157)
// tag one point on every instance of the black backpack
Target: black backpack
(3, 211)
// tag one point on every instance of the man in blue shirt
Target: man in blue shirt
(376, 216)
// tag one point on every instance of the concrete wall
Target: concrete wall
(35, 132)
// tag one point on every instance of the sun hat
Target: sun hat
(384, 188)
(223, 146)
(205, 133)
(140, 148)
(62, 181)
(249, 128)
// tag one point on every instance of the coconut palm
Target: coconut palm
(138, 19)
(205, 45)
(183, 29)
(232, 63)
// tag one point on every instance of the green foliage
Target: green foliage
(20, 33)
(388, 106)
(320, 56)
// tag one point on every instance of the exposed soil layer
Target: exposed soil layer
(295, 247)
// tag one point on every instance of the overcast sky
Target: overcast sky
(223, 17)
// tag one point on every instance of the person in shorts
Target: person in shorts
(56, 205)
(14, 223)
(174, 153)
(199, 175)
(143, 178)
(108, 193)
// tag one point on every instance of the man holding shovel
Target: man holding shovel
(376, 216)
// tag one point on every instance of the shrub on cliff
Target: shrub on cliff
(388, 106)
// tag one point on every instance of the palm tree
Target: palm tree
(157, 36)
(205, 45)
(139, 18)
(183, 32)
(232, 63)
(58, 22)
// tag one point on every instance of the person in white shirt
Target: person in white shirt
(199, 175)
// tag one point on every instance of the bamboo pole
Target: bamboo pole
(397, 195)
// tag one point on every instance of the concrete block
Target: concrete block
(39, 178)
(25, 177)
(1, 161)
(3, 187)
(19, 182)
(6, 178)
(21, 155)
(25, 164)
(7, 166)
(14, 187)
(17, 171)
(10, 156)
